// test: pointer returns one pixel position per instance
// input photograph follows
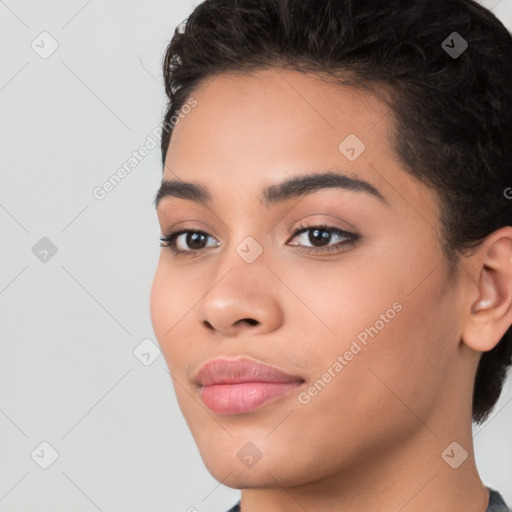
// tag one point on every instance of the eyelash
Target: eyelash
(169, 240)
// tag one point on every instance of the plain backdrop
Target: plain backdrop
(88, 417)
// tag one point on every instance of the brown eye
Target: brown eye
(194, 240)
(320, 236)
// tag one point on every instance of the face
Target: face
(362, 311)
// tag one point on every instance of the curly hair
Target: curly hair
(452, 113)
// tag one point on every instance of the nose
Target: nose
(241, 303)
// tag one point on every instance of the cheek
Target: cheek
(165, 307)
(172, 304)
(350, 296)
(389, 313)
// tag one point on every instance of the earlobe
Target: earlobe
(491, 313)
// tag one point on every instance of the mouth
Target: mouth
(238, 386)
(244, 397)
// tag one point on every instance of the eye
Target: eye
(194, 239)
(320, 238)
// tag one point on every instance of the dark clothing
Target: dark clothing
(496, 503)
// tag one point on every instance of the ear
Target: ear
(491, 312)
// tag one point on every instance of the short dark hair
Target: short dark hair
(452, 113)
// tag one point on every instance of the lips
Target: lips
(235, 386)
(236, 371)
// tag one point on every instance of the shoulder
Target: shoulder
(496, 502)
(236, 508)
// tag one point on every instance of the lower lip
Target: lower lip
(244, 397)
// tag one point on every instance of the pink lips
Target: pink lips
(236, 386)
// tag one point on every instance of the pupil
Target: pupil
(324, 238)
(194, 236)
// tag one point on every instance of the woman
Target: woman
(333, 295)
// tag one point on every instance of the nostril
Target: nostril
(249, 321)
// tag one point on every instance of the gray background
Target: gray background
(71, 321)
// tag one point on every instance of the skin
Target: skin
(372, 438)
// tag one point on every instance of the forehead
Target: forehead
(272, 112)
(249, 131)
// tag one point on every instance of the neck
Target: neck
(410, 477)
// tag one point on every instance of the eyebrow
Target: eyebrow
(296, 186)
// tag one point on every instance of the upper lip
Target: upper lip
(232, 371)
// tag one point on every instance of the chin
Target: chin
(273, 470)
(238, 476)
